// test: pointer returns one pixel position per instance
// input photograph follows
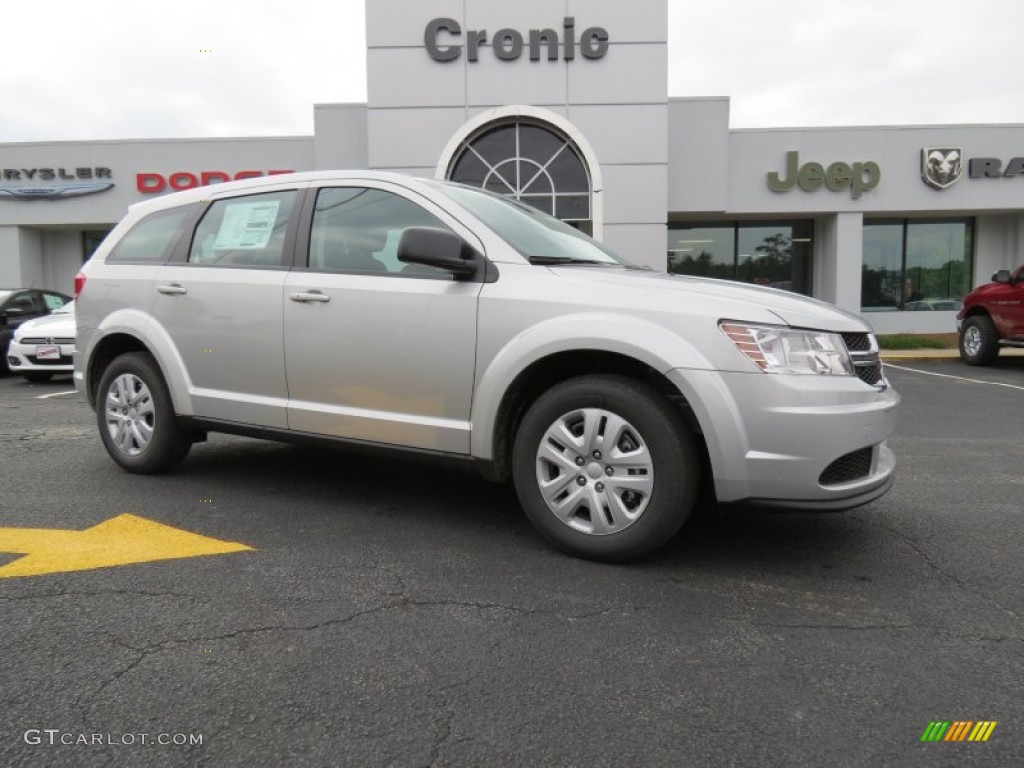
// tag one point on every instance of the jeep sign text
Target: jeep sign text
(857, 177)
(441, 38)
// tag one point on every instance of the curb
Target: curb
(936, 355)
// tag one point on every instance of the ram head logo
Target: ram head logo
(940, 166)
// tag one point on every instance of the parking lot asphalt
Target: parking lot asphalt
(399, 613)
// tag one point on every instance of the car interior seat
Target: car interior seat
(361, 244)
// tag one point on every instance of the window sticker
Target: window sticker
(247, 225)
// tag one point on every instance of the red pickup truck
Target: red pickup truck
(992, 316)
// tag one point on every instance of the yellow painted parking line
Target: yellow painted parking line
(122, 540)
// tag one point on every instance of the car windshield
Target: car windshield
(541, 238)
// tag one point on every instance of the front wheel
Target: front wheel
(979, 342)
(136, 416)
(605, 468)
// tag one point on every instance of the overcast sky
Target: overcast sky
(111, 69)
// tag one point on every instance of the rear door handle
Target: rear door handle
(174, 289)
(308, 296)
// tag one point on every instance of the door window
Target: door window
(357, 230)
(29, 302)
(54, 301)
(243, 231)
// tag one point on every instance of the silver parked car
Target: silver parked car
(373, 308)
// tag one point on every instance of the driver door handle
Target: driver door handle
(174, 289)
(309, 296)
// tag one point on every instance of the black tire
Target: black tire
(36, 377)
(652, 428)
(167, 444)
(979, 342)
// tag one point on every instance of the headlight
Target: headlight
(777, 349)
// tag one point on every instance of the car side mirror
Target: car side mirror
(439, 248)
(1002, 276)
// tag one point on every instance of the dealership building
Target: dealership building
(565, 105)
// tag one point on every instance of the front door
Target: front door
(377, 350)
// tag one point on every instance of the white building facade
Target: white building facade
(565, 106)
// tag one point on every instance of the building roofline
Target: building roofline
(165, 140)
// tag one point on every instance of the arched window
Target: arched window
(529, 161)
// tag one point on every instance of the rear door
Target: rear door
(219, 301)
(377, 350)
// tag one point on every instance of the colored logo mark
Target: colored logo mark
(958, 730)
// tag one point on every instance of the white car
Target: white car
(43, 347)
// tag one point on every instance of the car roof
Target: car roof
(200, 194)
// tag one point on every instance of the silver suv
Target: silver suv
(374, 308)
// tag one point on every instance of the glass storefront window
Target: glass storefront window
(91, 240)
(702, 251)
(916, 265)
(776, 254)
(882, 267)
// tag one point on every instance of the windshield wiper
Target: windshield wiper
(567, 260)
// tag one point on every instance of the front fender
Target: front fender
(642, 340)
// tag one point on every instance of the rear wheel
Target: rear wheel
(605, 468)
(979, 342)
(136, 416)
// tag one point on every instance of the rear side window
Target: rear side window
(243, 231)
(53, 300)
(150, 240)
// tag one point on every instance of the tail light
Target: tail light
(79, 284)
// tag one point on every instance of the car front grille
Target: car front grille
(857, 342)
(853, 466)
(870, 374)
(45, 340)
(867, 365)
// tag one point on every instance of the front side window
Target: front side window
(356, 229)
(916, 265)
(149, 241)
(243, 231)
(774, 254)
(28, 301)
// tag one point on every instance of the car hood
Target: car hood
(62, 325)
(731, 300)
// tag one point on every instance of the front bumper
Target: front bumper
(21, 358)
(810, 442)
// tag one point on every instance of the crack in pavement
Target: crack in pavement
(398, 600)
(446, 718)
(948, 575)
